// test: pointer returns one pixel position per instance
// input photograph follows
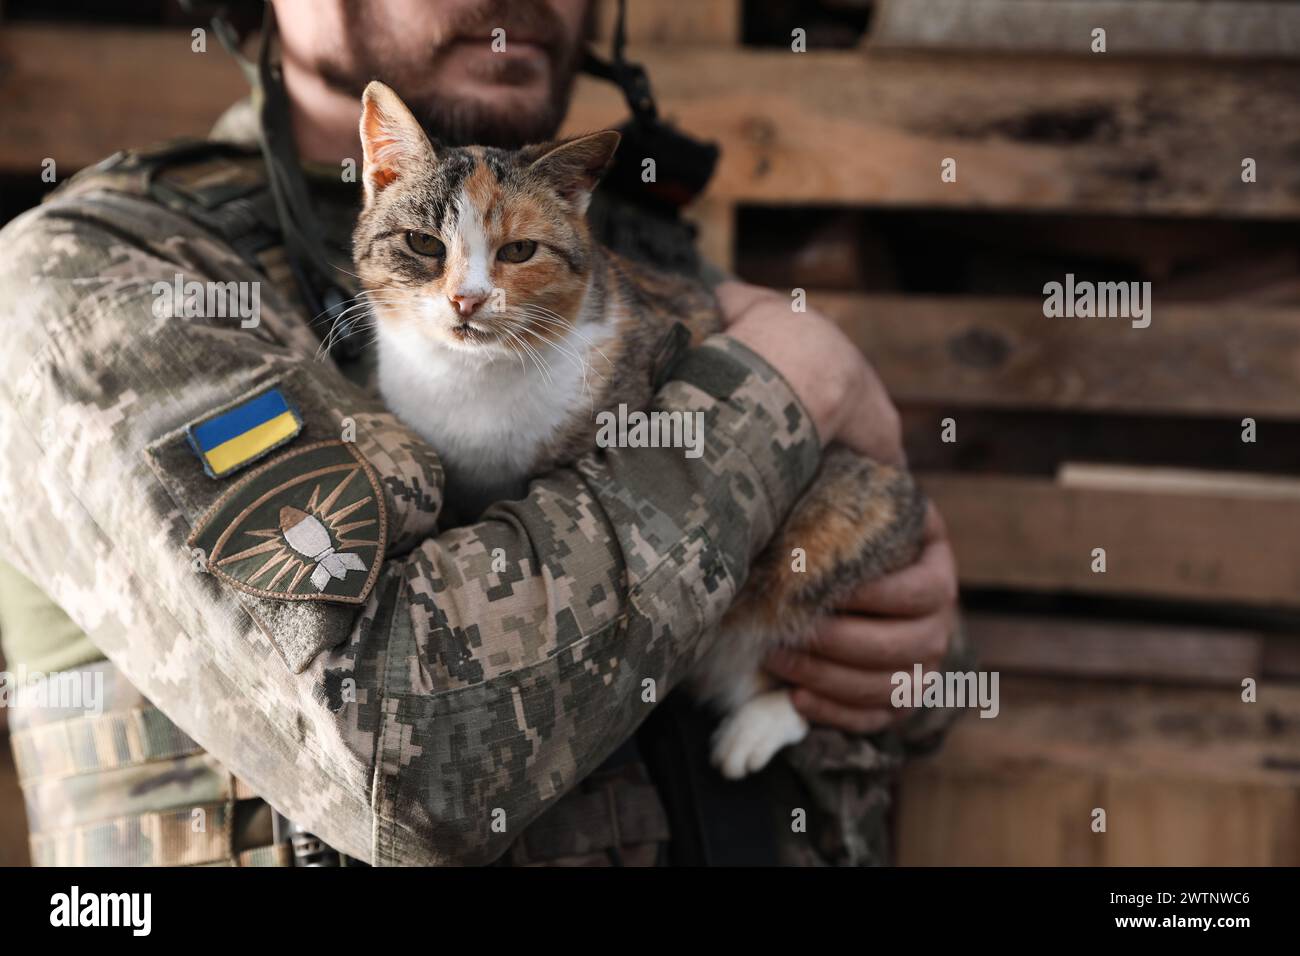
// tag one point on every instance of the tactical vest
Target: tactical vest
(128, 787)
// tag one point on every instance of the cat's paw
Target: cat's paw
(749, 737)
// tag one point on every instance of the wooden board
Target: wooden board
(1041, 816)
(1033, 534)
(1180, 481)
(1054, 645)
(1028, 133)
(1174, 823)
(76, 94)
(1136, 730)
(1202, 27)
(958, 817)
(1191, 777)
(1027, 442)
(1005, 353)
(1040, 133)
(708, 23)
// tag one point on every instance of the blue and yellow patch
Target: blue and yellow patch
(243, 434)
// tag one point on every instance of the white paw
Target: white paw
(747, 739)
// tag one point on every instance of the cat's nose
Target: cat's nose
(467, 305)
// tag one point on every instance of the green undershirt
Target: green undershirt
(34, 631)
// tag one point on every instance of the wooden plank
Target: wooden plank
(1041, 816)
(1191, 777)
(1031, 442)
(710, 23)
(1040, 133)
(1182, 481)
(958, 817)
(1052, 645)
(1033, 534)
(76, 95)
(1174, 823)
(995, 352)
(1135, 730)
(1282, 659)
(1204, 27)
(1028, 133)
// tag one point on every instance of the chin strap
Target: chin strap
(684, 165)
(631, 78)
(323, 290)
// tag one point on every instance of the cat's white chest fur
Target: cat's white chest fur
(488, 421)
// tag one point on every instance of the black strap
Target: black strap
(714, 821)
(684, 164)
(631, 78)
(318, 281)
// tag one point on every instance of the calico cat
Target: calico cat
(503, 328)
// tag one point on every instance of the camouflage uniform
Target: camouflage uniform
(461, 696)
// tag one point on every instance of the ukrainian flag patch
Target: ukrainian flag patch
(241, 435)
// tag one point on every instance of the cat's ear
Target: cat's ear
(576, 165)
(392, 142)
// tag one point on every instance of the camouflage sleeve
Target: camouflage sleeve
(846, 782)
(481, 672)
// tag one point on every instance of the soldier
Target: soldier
(410, 696)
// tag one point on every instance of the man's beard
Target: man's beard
(462, 121)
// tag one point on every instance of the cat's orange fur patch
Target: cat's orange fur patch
(482, 188)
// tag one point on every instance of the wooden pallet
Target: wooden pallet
(1120, 689)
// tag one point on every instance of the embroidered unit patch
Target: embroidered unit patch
(309, 525)
(241, 435)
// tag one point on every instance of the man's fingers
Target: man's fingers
(846, 685)
(856, 720)
(887, 644)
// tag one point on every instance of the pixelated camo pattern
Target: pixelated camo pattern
(401, 730)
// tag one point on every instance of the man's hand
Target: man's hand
(842, 679)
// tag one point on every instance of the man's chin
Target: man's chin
(500, 101)
(489, 115)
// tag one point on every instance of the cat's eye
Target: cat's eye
(520, 251)
(423, 244)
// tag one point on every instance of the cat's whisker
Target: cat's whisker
(536, 359)
(546, 317)
(584, 367)
(512, 337)
(523, 347)
(336, 334)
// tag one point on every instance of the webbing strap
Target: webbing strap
(190, 836)
(96, 743)
(605, 817)
(277, 854)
